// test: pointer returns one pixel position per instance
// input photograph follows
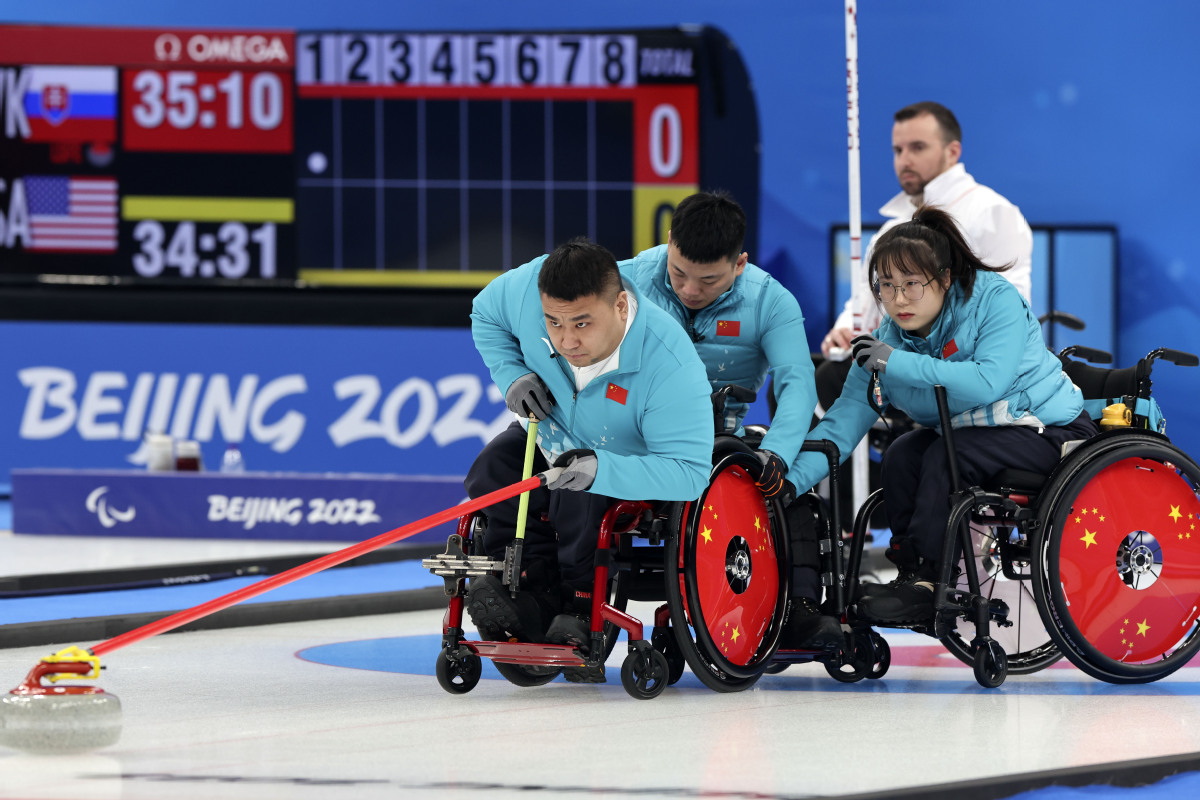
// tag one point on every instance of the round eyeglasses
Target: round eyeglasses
(913, 290)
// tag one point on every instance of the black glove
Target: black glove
(870, 353)
(773, 479)
(528, 396)
(579, 473)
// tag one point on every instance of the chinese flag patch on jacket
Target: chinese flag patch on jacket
(950, 349)
(616, 393)
(728, 327)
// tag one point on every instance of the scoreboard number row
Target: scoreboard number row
(483, 60)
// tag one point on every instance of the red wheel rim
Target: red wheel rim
(736, 566)
(1129, 560)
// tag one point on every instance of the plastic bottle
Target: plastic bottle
(232, 461)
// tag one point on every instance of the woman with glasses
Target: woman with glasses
(950, 320)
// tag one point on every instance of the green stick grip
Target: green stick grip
(526, 472)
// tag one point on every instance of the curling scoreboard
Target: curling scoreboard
(356, 157)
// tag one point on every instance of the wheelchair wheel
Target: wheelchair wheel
(645, 674)
(881, 656)
(664, 642)
(727, 573)
(1117, 557)
(991, 665)
(1028, 645)
(458, 675)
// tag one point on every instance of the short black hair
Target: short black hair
(580, 268)
(708, 227)
(947, 122)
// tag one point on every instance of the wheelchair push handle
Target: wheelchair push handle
(1088, 354)
(730, 391)
(1069, 321)
(734, 392)
(1177, 357)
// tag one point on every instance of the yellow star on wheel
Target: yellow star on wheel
(1079, 519)
(736, 634)
(1088, 538)
(1095, 511)
(1142, 628)
(1175, 515)
(1122, 630)
(1102, 518)
(707, 534)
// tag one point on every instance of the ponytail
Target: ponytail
(930, 244)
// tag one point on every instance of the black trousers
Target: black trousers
(916, 474)
(561, 526)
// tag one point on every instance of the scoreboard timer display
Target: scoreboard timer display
(357, 157)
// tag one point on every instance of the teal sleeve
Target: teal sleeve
(845, 425)
(678, 429)
(494, 316)
(786, 349)
(986, 377)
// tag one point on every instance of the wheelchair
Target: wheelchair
(1094, 561)
(720, 566)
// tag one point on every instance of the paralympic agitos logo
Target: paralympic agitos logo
(109, 517)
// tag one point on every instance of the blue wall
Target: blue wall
(1078, 111)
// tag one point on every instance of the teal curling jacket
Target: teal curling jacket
(650, 421)
(754, 328)
(987, 351)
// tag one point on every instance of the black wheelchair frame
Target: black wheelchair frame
(1027, 514)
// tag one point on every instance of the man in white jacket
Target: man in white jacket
(926, 147)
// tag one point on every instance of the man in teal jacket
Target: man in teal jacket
(744, 325)
(624, 405)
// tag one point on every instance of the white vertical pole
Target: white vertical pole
(859, 476)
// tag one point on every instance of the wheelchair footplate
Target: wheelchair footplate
(644, 673)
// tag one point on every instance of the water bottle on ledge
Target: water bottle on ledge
(232, 461)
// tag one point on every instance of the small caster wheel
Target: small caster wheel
(663, 640)
(882, 658)
(991, 665)
(849, 672)
(645, 674)
(776, 667)
(458, 675)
